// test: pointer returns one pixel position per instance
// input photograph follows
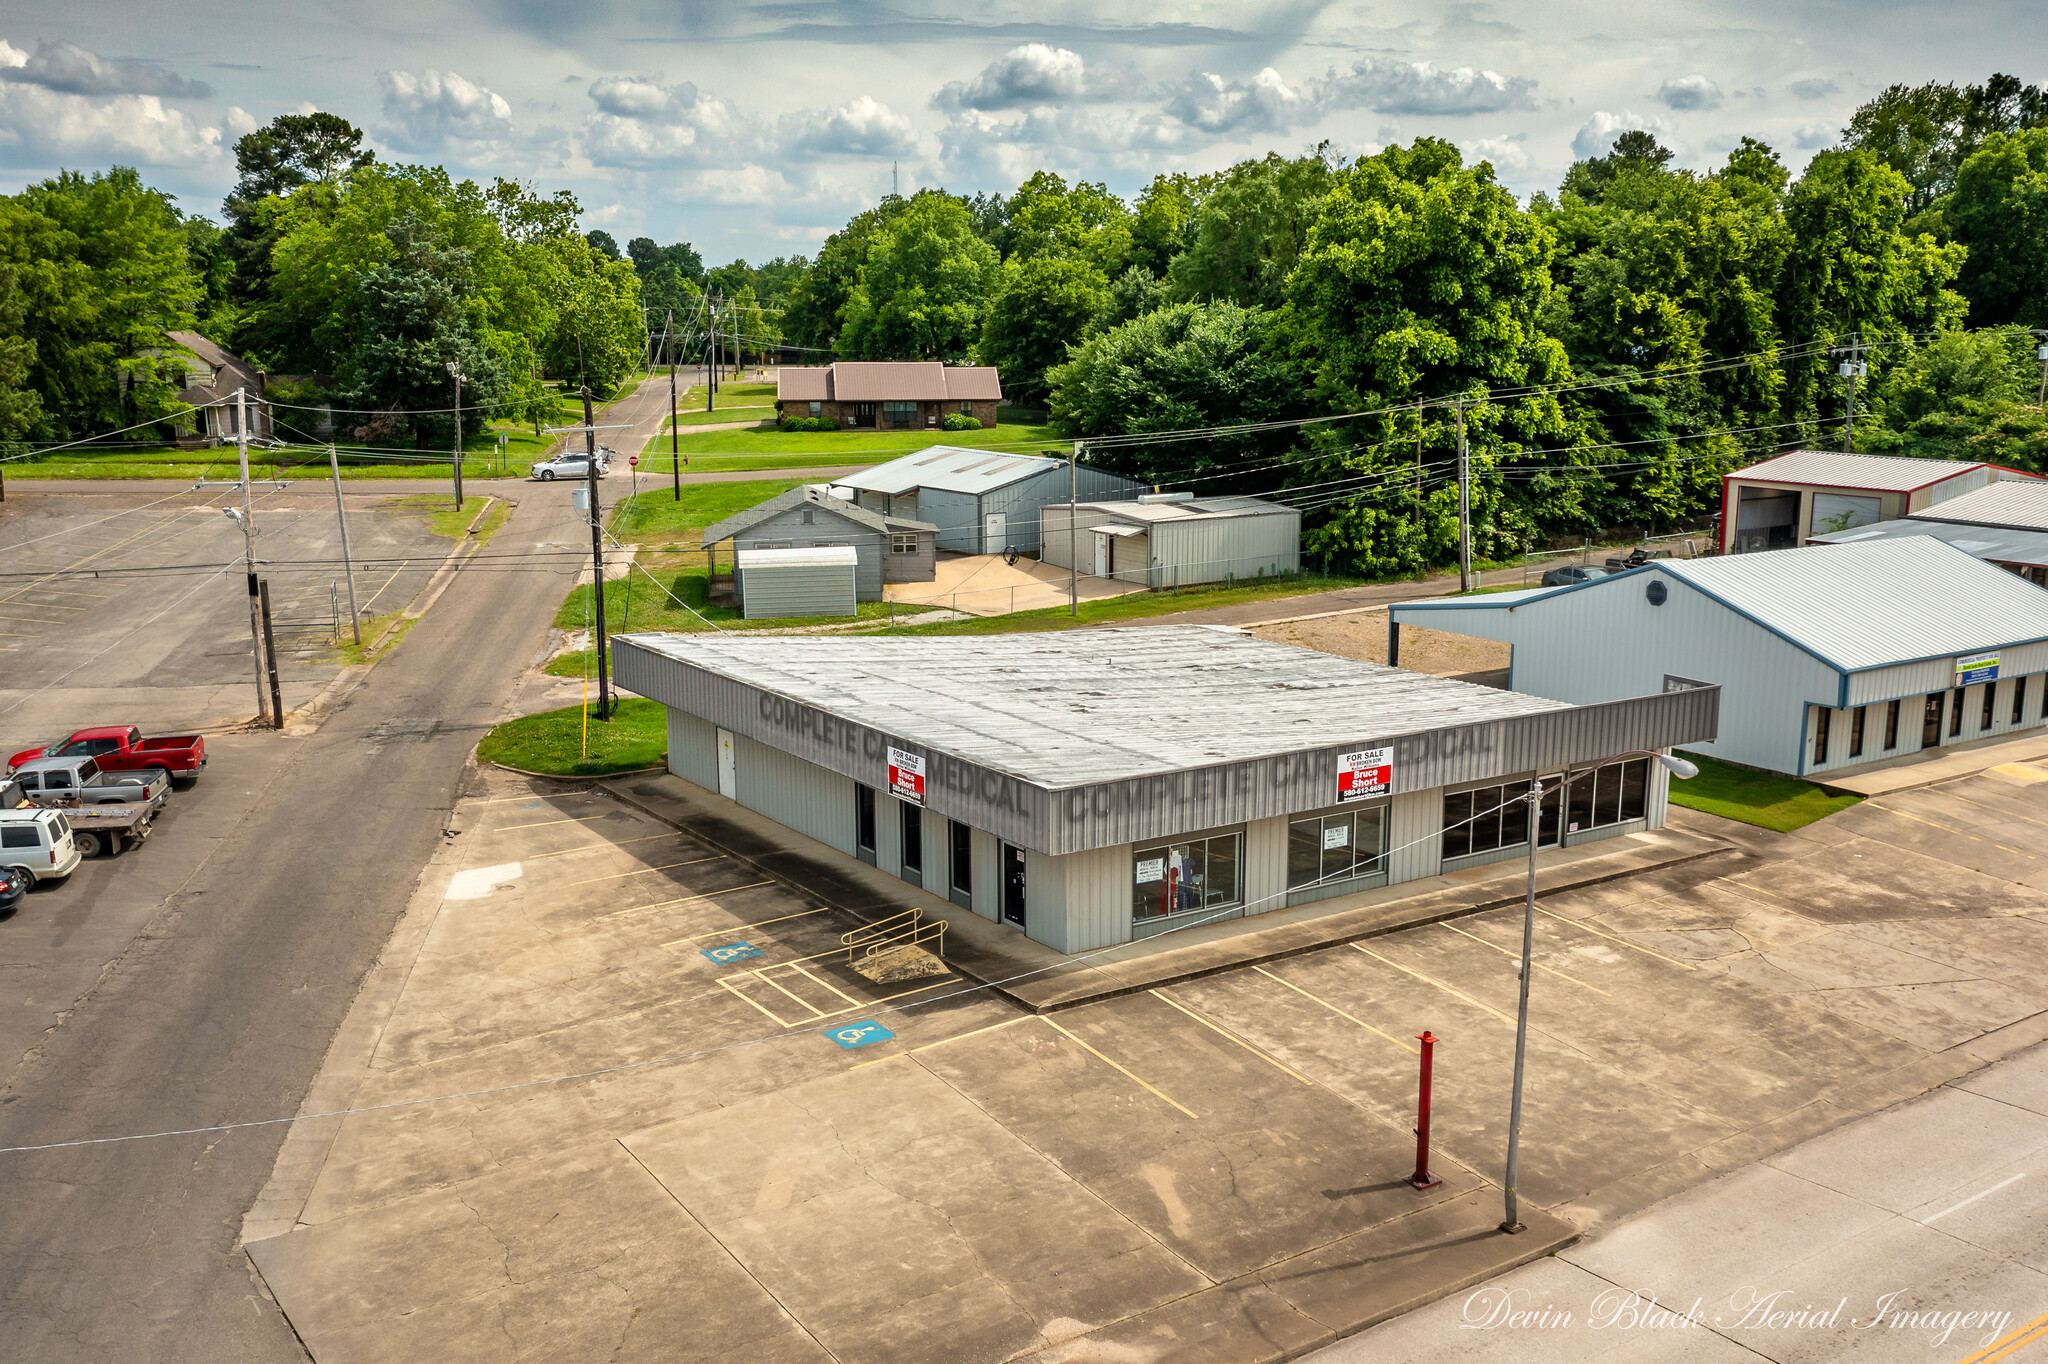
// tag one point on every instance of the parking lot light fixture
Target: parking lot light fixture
(1678, 767)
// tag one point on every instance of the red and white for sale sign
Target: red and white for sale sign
(906, 776)
(1366, 772)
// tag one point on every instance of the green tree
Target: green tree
(812, 316)
(20, 408)
(603, 243)
(1634, 155)
(2000, 212)
(924, 288)
(1186, 366)
(103, 270)
(1047, 219)
(1926, 132)
(1163, 220)
(681, 257)
(291, 151)
(1249, 231)
(1961, 395)
(1045, 304)
(597, 332)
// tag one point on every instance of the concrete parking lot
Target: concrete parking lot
(583, 1116)
(128, 602)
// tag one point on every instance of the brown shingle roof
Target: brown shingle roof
(881, 381)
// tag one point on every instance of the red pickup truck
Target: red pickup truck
(121, 748)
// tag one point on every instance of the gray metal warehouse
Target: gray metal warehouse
(1090, 787)
(1169, 539)
(1828, 657)
(982, 501)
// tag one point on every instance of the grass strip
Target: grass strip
(1765, 799)
(557, 742)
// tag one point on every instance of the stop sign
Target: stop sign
(633, 460)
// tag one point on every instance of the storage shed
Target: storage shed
(1781, 503)
(890, 549)
(1094, 786)
(1827, 657)
(1172, 539)
(982, 501)
(775, 584)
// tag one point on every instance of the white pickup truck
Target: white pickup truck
(77, 782)
(39, 841)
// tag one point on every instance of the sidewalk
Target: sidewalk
(1936, 765)
(1916, 1233)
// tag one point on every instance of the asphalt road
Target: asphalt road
(220, 1009)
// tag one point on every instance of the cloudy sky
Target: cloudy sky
(754, 127)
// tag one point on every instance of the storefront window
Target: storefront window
(1186, 875)
(1326, 848)
(1495, 817)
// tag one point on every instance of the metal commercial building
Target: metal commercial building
(1094, 786)
(2004, 524)
(890, 549)
(1171, 539)
(1827, 657)
(1783, 502)
(982, 501)
(776, 584)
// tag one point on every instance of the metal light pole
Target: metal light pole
(1073, 537)
(348, 569)
(1464, 506)
(1678, 767)
(456, 370)
(675, 456)
(604, 688)
(2041, 354)
(248, 520)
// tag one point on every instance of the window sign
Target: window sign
(1976, 668)
(906, 776)
(1366, 772)
(1337, 835)
(1151, 869)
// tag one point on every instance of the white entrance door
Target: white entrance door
(994, 534)
(1101, 555)
(728, 779)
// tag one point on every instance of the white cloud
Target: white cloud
(1389, 87)
(1814, 136)
(1690, 92)
(1265, 103)
(433, 109)
(1024, 76)
(1596, 137)
(754, 185)
(1507, 154)
(71, 70)
(861, 127)
(1814, 87)
(237, 121)
(642, 123)
(40, 127)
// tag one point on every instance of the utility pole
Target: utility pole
(675, 457)
(604, 687)
(711, 356)
(1852, 369)
(248, 520)
(1073, 537)
(270, 657)
(347, 568)
(1464, 506)
(2040, 353)
(456, 370)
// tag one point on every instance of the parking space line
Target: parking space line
(1537, 964)
(543, 823)
(797, 966)
(1114, 1066)
(599, 847)
(642, 871)
(2008, 814)
(729, 928)
(1432, 980)
(1335, 1010)
(957, 1037)
(762, 976)
(779, 1020)
(1935, 824)
(685, 899)
(1599, 933)
(1225, 1032)
(536, 796)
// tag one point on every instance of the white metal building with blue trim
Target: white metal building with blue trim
(1828, 657)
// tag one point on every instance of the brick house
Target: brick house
(889, 395)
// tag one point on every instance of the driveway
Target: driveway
(985, 585)
(574, 1017)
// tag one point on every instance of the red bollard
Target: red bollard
(1422, 1180)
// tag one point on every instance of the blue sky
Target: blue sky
(753, 129)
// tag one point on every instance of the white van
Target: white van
(39, 840)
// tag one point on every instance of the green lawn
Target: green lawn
(441, 516)
(570, 743)
(1764, 799)
(731, 393)
(724, 414)
(869, 446)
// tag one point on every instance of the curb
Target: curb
(584, 776)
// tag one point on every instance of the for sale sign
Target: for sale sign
(1976, 668)
(1363, 773)
(906, 776)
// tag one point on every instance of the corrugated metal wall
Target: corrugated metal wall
(786, 530)
(693, 749)
(1045, 900)
(1265, 865)
(1097, 896)
(778, 591)
(918, 567)
(1024, 502)
(1842, 723)
(1415, 824)
(1934, 674)
(793, 792)
(957, 515)
(888, 832)
(1211, 548)
(988, 888)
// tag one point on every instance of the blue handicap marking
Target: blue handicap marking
(854, 1035)
(732, 951)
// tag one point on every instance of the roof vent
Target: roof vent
(1166, 497)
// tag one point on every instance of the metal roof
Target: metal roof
(1068, 707)
(816, 495)
(1994, 543)
(864, 381)
(811, 555)
(1853, 606)
(1195, 510)
(949, 468)
(1873, 473)
(2013, 503)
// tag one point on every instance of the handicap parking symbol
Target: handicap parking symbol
(732, 951)
(855, 1035)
